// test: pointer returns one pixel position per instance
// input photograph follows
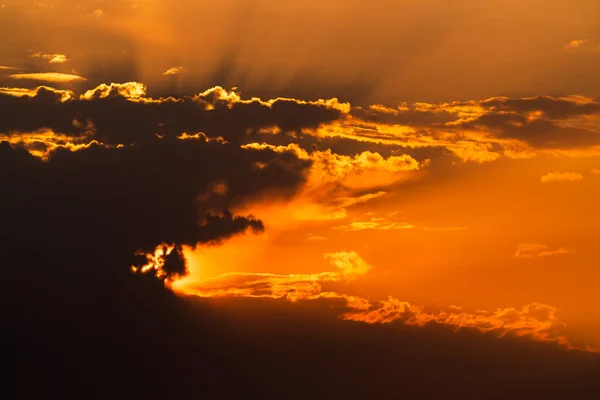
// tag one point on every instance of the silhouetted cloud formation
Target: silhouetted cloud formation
(101, 188)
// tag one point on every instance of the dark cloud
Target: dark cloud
(80, 323)
(121, 114)
(75, 315)
(551, 107)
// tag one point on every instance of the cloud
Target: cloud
(526, 250)
(56, 77)
(173, 71)
(389, 222)
(52, 58)
(595, 171)
(4, 67)
(315, 238)
(575, 44)
(561, 177)
(123, 113)
(479, 131)
(374, 223)
(536, 321)
(294, 287)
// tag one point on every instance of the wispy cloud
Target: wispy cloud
(532, 250)
(173, 71)
(561, 177)
(390, 222)
(315, 238)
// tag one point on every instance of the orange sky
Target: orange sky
(445, 173)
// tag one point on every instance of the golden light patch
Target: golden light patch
(56, 77)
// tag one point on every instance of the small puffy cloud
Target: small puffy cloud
(128, 90)
(56, 77)
(595, 171)
(52, 58)
(575, 44)
(531, 250)
(173, 71)
(561, 177)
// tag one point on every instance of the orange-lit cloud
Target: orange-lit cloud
(561, 177)
(536, 321)
(531, 250)
(293, 286)
(173, 71)
(56, 77)
(129, 90)
(315, 238)
(375, 221)
(575, 44)
(20, 92)
(52, 58)
(42, 143)
(334, 183)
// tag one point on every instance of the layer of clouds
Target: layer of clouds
(535, 321)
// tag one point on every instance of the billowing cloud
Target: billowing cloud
(122, 113)
(335, 182)
(561, 177)
(532, 250)
(480, 131)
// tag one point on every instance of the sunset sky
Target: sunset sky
(412, 163)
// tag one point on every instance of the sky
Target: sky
(411, 183)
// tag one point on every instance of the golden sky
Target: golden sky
(423, 161)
